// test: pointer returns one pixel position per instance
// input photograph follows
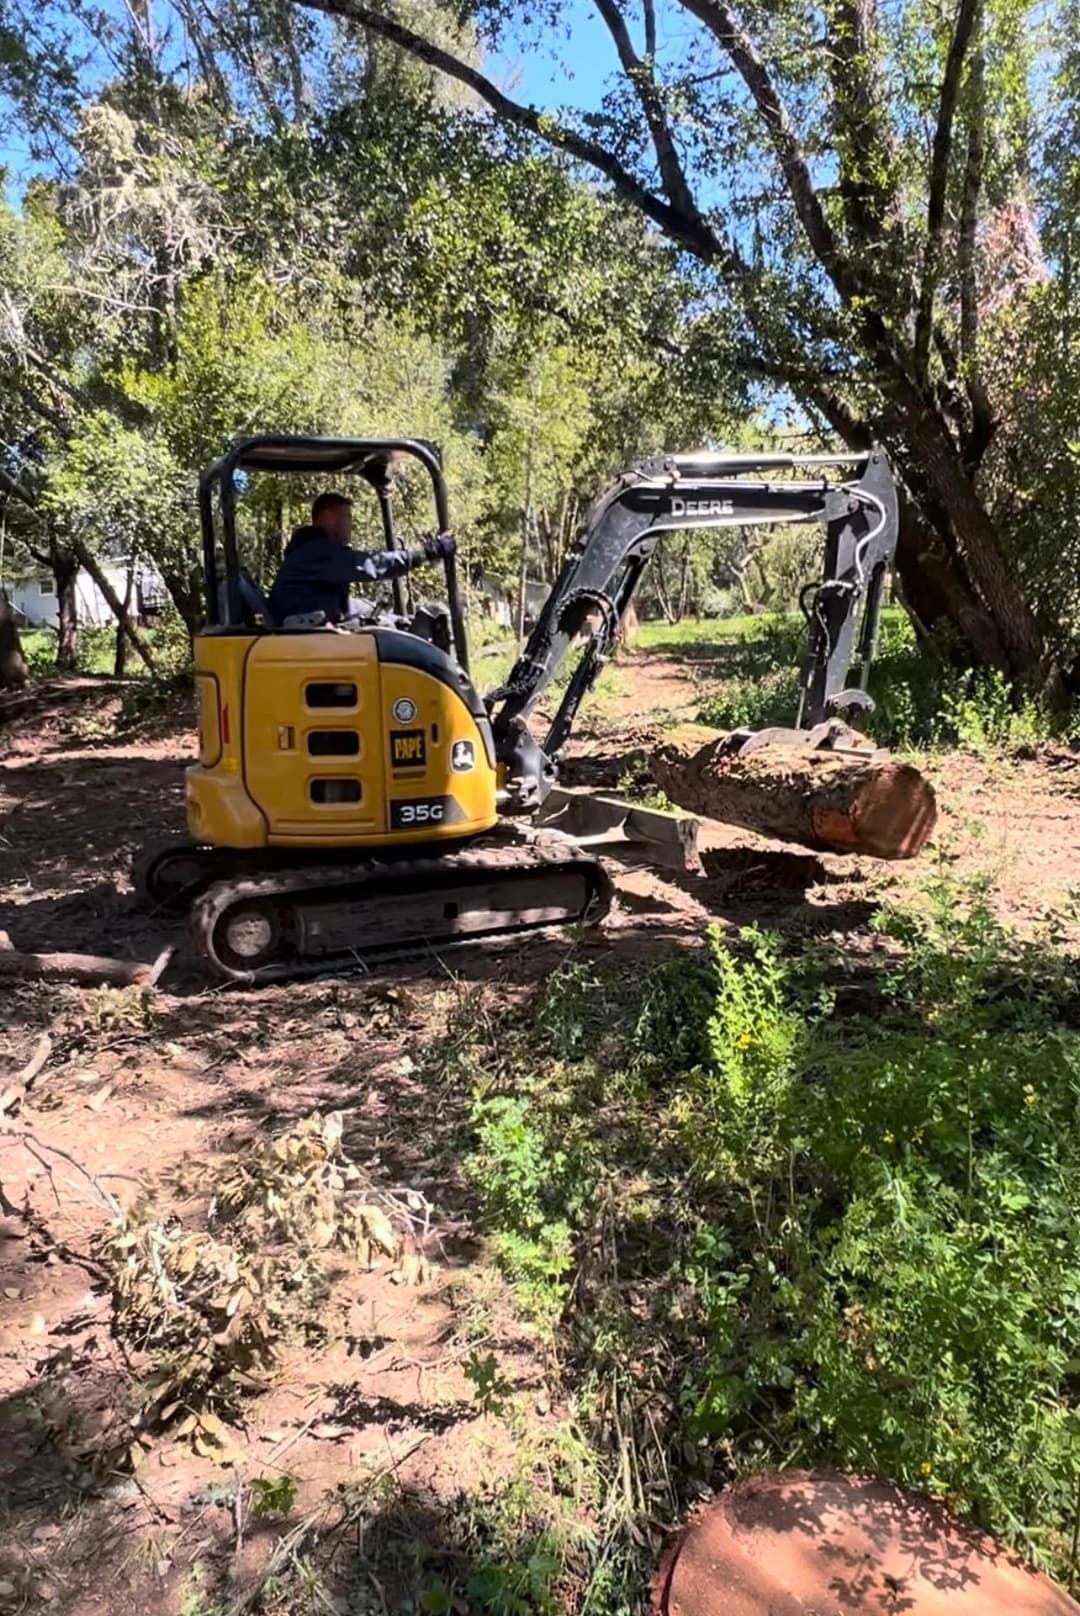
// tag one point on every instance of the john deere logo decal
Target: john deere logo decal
(462, 757)
(404, 710)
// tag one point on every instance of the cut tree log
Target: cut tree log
(844, 801)
(87, 970)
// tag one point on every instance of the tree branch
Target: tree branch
(14, 489)
(39, 406)
(689, 232)
(866, 152)
(966, 16)
(972, 188)
(642, 76)
(983, 424)
(650, 31)
(729, 33)
(14, 336)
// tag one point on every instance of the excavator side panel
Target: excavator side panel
(336, 740)
(220, 811)
(312, 742)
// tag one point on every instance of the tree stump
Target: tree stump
(791, 1544)
(13, 670)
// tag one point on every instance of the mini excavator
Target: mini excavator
(355, 800)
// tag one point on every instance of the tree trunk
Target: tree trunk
(738, 572)
(65, 570)
(684, 583)
(948, 552)
(13, 670)
(523, 575)
(659, 583)
(116, 606)
(978, 548)
(935, 590)
(843, 801)
(120, 654)
(185, 592)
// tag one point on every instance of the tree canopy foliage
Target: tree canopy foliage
(259, 223)
(320, 215)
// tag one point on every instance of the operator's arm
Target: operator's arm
(338, 564)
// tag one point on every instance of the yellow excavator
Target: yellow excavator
(354, 798)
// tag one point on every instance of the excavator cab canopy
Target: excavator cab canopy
(372, 459)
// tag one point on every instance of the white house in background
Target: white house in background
(499, 599)
(34, 597)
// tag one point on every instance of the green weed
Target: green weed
(489, 1387)
(272, 1495)
(523, 1178)
(194, 1600)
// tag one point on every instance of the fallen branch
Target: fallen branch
(87, 970)
(35, 1223)
(42, 1051)
(40, 1150)
(15, 1093)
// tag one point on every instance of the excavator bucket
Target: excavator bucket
(601, 823)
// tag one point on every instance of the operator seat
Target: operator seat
(253, 601)
(253, 604)
(432, 623)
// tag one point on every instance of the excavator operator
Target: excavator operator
(319, 563)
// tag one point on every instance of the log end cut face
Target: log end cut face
(798, 1542)
(889, 814)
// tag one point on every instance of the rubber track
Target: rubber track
(212, 904)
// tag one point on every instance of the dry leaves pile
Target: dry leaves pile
(298, 1190)
(208, 1308)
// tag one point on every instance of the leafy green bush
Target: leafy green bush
(761, 686)
(523, 1182)
(162, 693)
(771, 698)
(922, 696)
(811, 1236)
(97, 648)
(39, 651)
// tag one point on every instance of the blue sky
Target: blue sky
(560, 73)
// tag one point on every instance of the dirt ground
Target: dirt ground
(166, 1096)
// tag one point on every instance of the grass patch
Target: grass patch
(770, 1222)
(709, 630)
(491, 672)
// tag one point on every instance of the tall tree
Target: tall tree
(829, 170)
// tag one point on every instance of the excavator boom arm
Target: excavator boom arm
(619, 535)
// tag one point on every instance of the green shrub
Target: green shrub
(523, 1179)
(817, 1238)
(39, 651)
(97, 648)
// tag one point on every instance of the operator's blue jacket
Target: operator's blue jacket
(317, 569)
